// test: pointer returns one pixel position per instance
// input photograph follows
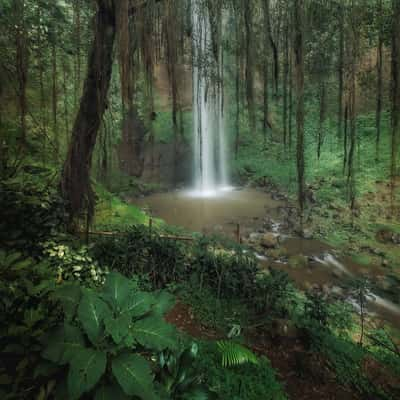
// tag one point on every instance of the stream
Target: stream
(222, 212)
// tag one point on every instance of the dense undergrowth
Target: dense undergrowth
(87, 321)
(358, 232)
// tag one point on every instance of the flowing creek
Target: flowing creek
(249, 208)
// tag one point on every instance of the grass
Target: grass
(112, 212)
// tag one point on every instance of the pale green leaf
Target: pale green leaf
(133, 373)
(154, 333)
(86, 369)
(91, 313)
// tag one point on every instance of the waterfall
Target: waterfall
(210, 144)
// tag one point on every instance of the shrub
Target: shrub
(31, 213)
(245, 382)
(140, 251)
(230, 271)
(107, 339)
(74, 264)
(26, 313)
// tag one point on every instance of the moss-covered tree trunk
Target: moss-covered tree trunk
(75, 182)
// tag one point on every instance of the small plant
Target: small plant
(235, 354)
(73, 264)
(179, 377)
(108, 338)
(360, 291)
(274, 294)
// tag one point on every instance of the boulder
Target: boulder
(307, 233)
(254, 237)
(269, 241)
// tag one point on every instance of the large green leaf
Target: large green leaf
(91, 312)
(116, 290)
(154, 333)
(138, 304)
(118, 327)
(111, 392)
(63, 344)
(86, 369)
(133, 373)
(164, 302)
(69, 295)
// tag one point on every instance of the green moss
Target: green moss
(111, 211)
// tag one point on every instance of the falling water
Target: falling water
(210, 147)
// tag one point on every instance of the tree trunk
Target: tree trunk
(290, 111)
(379, 82)
(248, 21)
(395, 96)
(299, 64)
(340, 70)
(75, 182)
(322, 101)
(285, 78)
(22, 65)
(54, 97)
(265, 63)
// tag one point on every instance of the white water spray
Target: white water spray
(210, 145)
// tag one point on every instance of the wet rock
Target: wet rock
(269, 241)
(278, 253)
(337, 290)
(385, 263)
(307, 233)
(386, 236)
(254, 237)
(299, 261)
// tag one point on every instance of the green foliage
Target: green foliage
(274, 294)
(234, 354)
(179, 376)
(105, 335)
(385, 349)
(30, 211)
(26, 313)
(142, 251)
(347, 360)
(243, 382)
(229, 271)
(72, 264)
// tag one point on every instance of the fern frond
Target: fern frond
(235, 354)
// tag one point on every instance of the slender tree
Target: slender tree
(379, 62)
(299, 70)
(395, 96)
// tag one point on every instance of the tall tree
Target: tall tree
(299, 69)
(395, 94)
(379, 64)
(340, 68)
(21, 64)
(75, 183)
